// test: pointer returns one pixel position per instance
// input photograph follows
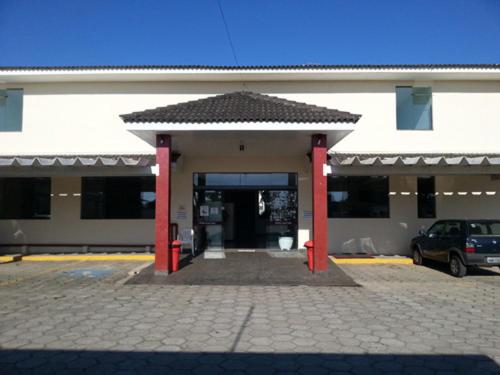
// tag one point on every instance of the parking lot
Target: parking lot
(79, 317)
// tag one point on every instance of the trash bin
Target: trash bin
(310, 254)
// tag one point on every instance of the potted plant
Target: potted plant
(285, 241)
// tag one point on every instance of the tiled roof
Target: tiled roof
(253, 67)
(241, 106)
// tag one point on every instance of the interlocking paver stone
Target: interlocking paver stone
(404, 319)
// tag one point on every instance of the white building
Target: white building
(75, 175)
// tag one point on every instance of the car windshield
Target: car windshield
(484, 228)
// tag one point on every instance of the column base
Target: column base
(161, 273)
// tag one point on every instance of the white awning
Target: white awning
(78, 161)
(402, 160)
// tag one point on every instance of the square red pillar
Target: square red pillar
(162, 211)
(319, 207)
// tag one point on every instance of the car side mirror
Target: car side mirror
(422, 232)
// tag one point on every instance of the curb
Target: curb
(10, 258)
(96, 257)
(365, 261)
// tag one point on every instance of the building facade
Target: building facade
(80, 162)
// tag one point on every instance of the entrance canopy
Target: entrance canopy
(223, 126)
(245, 115)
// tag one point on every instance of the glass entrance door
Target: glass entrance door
(245, 210)
(208, 219)
(278, 209)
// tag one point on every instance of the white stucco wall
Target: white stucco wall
(66, 227)
(392, 235)
(82, 118)
(380, 236)
(182, 188)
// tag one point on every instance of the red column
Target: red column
(320, 209)
(162, 215)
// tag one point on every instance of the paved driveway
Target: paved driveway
(79, 318)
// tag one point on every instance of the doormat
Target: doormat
(245, 269)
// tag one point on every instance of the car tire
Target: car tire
(457, 268)
(417, 257)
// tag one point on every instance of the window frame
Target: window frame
(431, 109)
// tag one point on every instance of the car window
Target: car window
(495, 228)
(437, 229)
(452, 229)
(484, 228)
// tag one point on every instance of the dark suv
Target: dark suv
(460, 243)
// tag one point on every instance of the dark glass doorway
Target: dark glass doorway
(244, 210)
(241, 216)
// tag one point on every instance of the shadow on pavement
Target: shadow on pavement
(471, 271)
(128, 362)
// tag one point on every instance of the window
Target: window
(24, 198)
(453, 229)
(118, 197)
(211, 180)
(358, 197)
(436, 230)
(414, 108)
(426, 200)
(11, 110)
(484, 228)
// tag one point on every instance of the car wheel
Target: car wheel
(417, 257)
(457, 268)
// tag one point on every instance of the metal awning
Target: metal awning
(78, 161)
(417, 160)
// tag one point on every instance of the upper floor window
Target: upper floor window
(414, 108)
(24, 198)
(358, 197)
(11, 110)
(118, 197)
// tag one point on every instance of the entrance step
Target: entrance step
(214, 254)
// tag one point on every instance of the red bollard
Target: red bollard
(176, 254)
(310, 254)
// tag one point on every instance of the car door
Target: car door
(430, 243)
(450, 240)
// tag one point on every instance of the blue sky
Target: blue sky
(95, 32)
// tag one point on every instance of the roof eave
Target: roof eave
(138, 75)
(148, 131)
(239, 126)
